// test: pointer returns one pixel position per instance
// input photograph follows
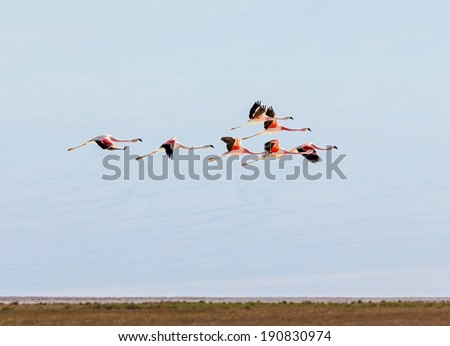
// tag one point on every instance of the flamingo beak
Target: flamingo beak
(140, 140)
(335, 147)
(309, 129)
(212, 146)
(291, 118)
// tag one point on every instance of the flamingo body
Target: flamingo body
(273, 149)
(234, 147)
(308, 151)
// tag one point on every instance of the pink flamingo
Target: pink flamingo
(234, 147)
(169, 147)
(271, 126)
(273, 149)
(258, 115)
(308, 150)
(107, 142)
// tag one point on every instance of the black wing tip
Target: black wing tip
(312, 158)
(227, 139)
(268, 123)
(270, 112)
(253, 109)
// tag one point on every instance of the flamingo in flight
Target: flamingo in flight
(258, 115)
(273, 149)
(271, 126)
(234, 147)
(169, 147)
(308, 150)
(107, 142)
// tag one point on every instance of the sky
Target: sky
(370, 77)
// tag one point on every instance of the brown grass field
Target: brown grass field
(227, 314)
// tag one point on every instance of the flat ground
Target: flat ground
(227, 314)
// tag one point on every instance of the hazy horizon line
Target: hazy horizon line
(192, 299)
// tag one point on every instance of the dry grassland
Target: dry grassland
(227, 314)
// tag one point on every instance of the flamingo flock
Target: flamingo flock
(258, 114)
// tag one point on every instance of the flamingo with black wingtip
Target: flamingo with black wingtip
(107, 142)
(170, 146)
(308, 150)
(273, 149)
(272, 126)
(258, 115)
(234, 147)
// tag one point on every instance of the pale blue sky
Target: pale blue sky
(372, 78)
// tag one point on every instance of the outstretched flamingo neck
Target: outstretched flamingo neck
(318, 148)
(122, 140)
(288, 129)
